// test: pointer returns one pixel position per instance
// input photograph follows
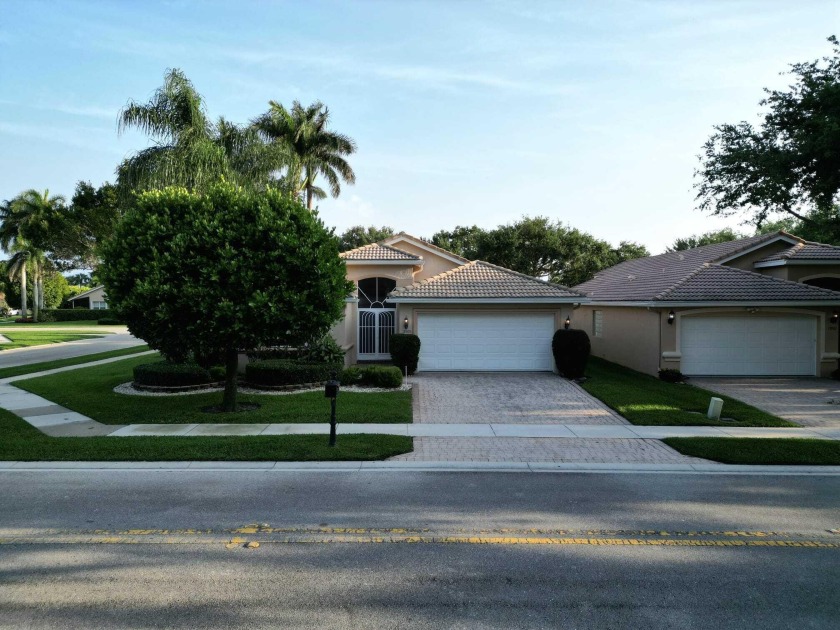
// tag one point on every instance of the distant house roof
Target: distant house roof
(806, 251)
(377, 252)
(479, 280)
(697, 275)
(86, 293)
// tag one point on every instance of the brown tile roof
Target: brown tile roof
(689, 276)
(479, 279)
(806, 251)
(378, 251)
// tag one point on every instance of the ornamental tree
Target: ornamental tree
(226, 271)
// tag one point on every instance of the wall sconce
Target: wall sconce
(834, 317)
(405, 324)
(671, 317)
(567, 323)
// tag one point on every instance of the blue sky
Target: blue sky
(464, 113)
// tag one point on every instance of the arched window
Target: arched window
(373, 291)
(824, 282)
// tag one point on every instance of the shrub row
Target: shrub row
(166, 374)
(385, 376)
(275, 372)
(76, 314)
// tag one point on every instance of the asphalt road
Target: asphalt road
(68, 350)
(155, 549)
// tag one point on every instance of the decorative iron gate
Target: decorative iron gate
(375, 328)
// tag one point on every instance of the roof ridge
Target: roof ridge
(525, 275)
(693, 273)
(379, 244)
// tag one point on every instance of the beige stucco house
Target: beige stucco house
(92, 298)
(469, 315)
(760, 306)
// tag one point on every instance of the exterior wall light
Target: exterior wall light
(671, 317)
(567, 323)
(834, 317)
(405, 324)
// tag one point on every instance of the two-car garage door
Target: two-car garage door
(485, 342)
(748, 346)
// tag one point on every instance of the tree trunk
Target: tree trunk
(231, 366)
(23, 309)
(309, 197)
(35, 295)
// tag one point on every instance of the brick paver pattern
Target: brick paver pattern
(804, 401)
(558, 450)
(506, 398)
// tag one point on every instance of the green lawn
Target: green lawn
(26, 338)
(776, 451)
(50, 365)
(22, 442)
(90, 392)
(645, 400)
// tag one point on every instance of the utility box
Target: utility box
(715, 407)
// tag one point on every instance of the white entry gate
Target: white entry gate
(375, 328)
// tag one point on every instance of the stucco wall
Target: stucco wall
(403, 274)
(344, 331)
(433, 264)
(748, 260)
(630, 336)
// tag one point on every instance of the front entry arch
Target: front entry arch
(377, 319)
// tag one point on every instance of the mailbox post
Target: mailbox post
(331, 392)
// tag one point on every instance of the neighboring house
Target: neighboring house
(92, 298)
(469, 315)
(759, 306)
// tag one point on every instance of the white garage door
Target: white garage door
(485, 342)
(749, 346)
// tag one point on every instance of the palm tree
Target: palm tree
(188, 149)
(16, 268)
(311, 149)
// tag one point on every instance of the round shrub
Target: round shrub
(386, 376)
(405, 351)
(166, 374)
(670, 375)
(571, 349)
(218, 372)
(276, 372)
(351, 375)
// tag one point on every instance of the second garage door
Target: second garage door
(485, 342)
(749, 346)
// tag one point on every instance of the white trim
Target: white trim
(719, 303)
(744, 252)
(418, 243)
(431, 300)
(418, 262)
(797, 262)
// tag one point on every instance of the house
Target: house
(92, 298)
(760, 306)
(469, 315)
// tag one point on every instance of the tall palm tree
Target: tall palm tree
(16, 268)
(188, 149)
(311, 148)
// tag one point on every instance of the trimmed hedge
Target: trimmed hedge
(670, 375)
(275, 372)
(385, 376)
(571, 349)
(165, 374)
(77, 314)
(109, 321)
(405, 351)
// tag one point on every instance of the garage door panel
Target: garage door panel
(748, 346)
(485, 342)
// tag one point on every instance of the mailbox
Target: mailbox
(332, 386)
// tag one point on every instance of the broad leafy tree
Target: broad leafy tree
(359, 235)
(308, 148)
(223, 272)
(790, 164)
(709, 238)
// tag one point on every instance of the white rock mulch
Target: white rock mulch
(128, 389)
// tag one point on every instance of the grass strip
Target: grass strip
(18, 370)
(90, 392)
(27, 338)
(646, 400)
(23, 442)
(770, 451)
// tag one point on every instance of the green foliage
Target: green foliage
(79, 314)
(539, 247)
(109, 321)
(385, 376)
(359, 235)
(405, 351)
(760, 451)
(790, 165)
(54, 286)
(323, 349)
(276, 372)
(571, 350)
(217, 373)
(351, 375)
(670, 375)
(166, 374)
(709, 238)
(223, 272)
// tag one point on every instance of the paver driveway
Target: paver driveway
(801, 400)
(506, 397)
